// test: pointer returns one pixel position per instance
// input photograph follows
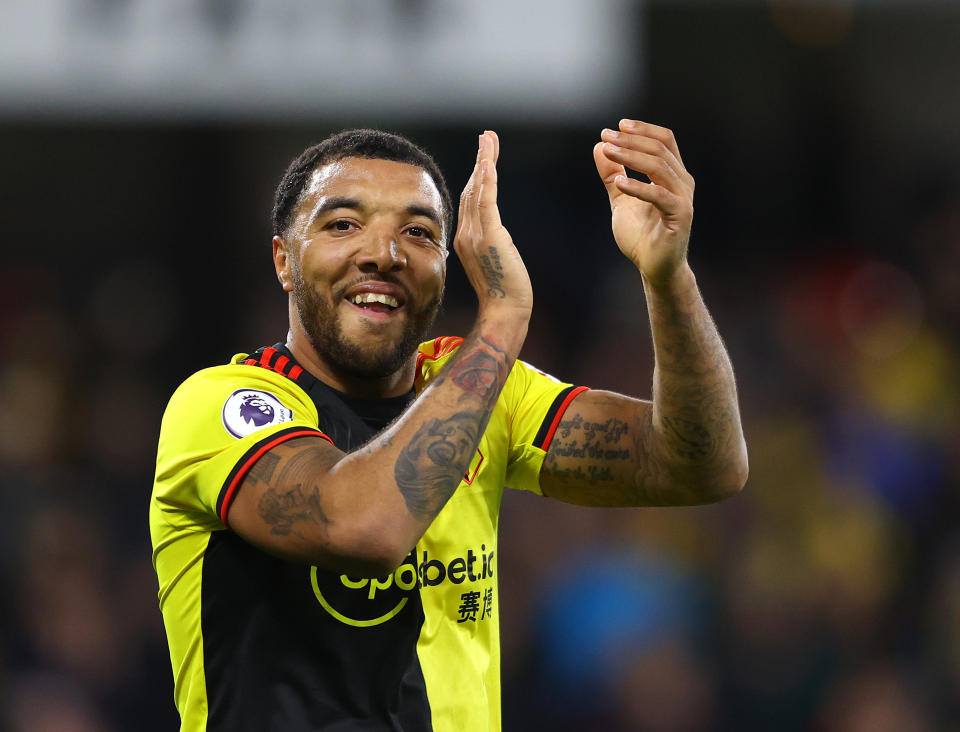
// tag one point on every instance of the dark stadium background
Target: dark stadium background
(826, 149)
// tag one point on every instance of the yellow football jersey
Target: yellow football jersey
(259, 643)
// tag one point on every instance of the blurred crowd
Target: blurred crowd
(824, 597)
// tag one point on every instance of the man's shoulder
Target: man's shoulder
(267, 362)
(212, 377)
(243, 373)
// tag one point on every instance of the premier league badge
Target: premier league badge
(249, 410)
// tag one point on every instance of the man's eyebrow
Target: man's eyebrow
(328, 204)
(427, 211)
(334, 202)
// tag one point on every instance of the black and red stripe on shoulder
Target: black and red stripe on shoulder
(270, 358)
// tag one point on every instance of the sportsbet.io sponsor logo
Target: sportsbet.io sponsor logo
(364, 602)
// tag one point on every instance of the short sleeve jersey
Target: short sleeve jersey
(260, 643)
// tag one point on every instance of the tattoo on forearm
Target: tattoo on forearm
(492, 272)
(430, 467)
(694, 388)
(692, 440)
(679, 352)
(479, 374)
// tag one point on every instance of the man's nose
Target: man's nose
(381, 253)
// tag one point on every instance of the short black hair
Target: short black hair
(370, 144)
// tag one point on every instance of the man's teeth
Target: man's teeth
(368, 297)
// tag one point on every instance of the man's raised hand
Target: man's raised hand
(651, 221)
(491, 261)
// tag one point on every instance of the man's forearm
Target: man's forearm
(432, 460)
(422, 457)
(696, 420)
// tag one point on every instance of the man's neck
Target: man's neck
(396, 384)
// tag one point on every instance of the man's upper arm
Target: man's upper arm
(280, 506)
(218, 425)
(604, 454)
(595, 452)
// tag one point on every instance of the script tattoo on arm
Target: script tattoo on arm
(591, 460)
(430, 467)
(594, 461)
(492, 272)
(299, 499)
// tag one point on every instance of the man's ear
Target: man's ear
(282, 263)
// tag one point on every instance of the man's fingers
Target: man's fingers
(608, 171)
(470, 189)
(658, 169)
(663, 134)
(467, 214)
(496, 144)
(649, 156)
(478, 202)
(487, 210)
(463, 200)
(668, 203)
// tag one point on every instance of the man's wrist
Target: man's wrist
(505, 326)
(679, 285)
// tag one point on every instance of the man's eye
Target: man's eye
(342, 225)
(419, 232)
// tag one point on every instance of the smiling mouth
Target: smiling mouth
(374, 302)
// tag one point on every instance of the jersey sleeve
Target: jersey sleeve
(536, 402)
(218, 423)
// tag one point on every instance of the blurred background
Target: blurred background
(140, 143)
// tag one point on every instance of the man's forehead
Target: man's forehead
(373, 177)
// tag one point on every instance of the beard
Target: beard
(321, 323)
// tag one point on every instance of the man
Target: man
(324, 515)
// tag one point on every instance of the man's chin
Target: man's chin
(376, 360)
(373, 332)
(365, 344)
(377, 349)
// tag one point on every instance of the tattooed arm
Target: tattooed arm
(364, 511)
(684, 448)
(687, 446)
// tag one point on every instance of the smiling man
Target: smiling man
(324, 513)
